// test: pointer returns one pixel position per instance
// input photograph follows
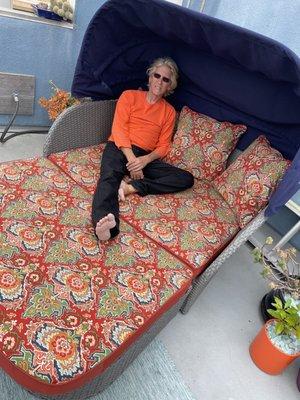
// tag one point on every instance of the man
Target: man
(141, 135)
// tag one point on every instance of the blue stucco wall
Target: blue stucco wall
(277, 19)
(45, 51)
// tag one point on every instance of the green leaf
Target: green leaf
(298, 332)
(291, 320)
(279, 328)
(292, 311)
(257, 255)
(282, 314)
(288, 303)
(274, 313)
(278, 302)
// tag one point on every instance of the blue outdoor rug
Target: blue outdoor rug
(152, 376)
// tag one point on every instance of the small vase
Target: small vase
(268, 357)
(298, 380)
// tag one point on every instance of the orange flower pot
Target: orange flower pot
(266, 356)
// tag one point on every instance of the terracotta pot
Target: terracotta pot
(266, 356)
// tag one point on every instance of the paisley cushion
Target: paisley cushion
(69, 305)
(82, 165)
(195, 225)
(249, 181)
(202, 144)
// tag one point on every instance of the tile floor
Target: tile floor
(210, 344)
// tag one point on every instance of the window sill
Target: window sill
(8, 12)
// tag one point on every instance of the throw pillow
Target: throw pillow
(249, 181)
(201, 144)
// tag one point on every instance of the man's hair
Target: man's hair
(171, 65)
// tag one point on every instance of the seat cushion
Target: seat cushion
(82, 165)
(70, 306)
(201, 144)
(195, 225)
(249, 181)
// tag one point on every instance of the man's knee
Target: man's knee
(189, 180)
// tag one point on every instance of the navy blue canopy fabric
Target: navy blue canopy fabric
(227, 72)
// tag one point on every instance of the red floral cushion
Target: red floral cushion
(194, 230)
(249, 181)
(82, 165)
(195, 225)
(69, 305)
(202, 144)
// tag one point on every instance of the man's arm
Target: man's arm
(119, 132)
(135, 173)
(139, 163)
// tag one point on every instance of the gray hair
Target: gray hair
(167, 61)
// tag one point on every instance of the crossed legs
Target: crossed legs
(159, 178)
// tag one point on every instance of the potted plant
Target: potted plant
(278, 342)
(283, 275)
(269, 349)
(55, 9)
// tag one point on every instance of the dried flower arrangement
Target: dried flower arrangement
(60, 100)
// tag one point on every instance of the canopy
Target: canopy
(227, 72)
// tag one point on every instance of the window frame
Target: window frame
(31, 16)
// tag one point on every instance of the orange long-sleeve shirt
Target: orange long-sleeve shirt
(137, 122)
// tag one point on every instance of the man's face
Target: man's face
(160, 81)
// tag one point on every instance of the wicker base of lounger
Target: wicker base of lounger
(100, 383)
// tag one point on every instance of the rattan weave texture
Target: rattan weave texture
(83, 125)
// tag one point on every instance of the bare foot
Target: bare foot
(104, 225)
(125, 189)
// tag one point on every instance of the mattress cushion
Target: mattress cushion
(195, 225)
(70, 306)
(82, 165)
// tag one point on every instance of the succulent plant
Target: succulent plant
(62, 8)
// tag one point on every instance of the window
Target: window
(23, 5)
(178, 2)
(22, 9)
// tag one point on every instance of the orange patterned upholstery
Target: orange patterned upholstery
(201, 144)
(69, 306)
(249, 181)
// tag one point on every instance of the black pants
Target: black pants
(159, 178)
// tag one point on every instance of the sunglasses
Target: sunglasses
(164, 78)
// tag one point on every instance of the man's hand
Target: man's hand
(137, 164)
(137, 174)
